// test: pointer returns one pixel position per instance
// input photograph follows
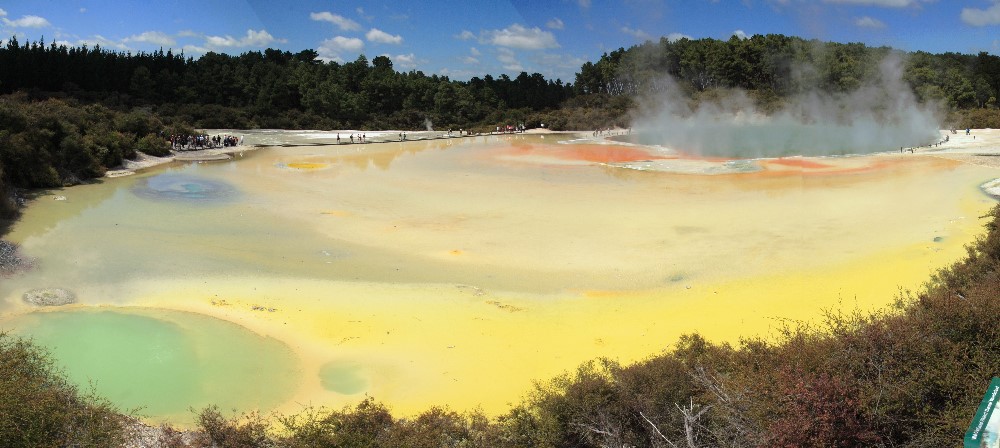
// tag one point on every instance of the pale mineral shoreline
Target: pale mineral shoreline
(145, 161)
(980, 147)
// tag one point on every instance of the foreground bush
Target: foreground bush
(40, 408)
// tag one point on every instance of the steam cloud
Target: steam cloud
(879, 116)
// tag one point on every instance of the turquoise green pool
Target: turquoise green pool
(163, 363)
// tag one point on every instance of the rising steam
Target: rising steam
(882, 115)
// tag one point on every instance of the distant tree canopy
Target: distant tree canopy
(275, 88)
(271, 88)
(783, 66)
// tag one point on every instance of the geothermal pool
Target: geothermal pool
(455, 272)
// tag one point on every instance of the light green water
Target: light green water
(343, 378)
(165, 362)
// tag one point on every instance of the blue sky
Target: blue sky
(462, 39)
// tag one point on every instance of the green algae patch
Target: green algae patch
(342, 378)
(165, 363)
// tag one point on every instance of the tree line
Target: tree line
(782, 66)
(273, 88)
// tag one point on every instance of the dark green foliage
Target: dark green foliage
(977, 118)
(153, 145)
(361, 427)
(56, 142)
(770, 66)
(218, 431)
(8, 208)
(267, 89)
(39, 408)
(596, 111)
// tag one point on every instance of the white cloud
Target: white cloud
(470, 60)
(342, 22)
(555, 23)
(457, 74)
(465, 35)
(518, 36)
(474, 51)
(331, 49)
(674, 37)
(583, 3)
(194, 49)
(740, 34)
(3, 13)
(406, 60)
(869, 22)
(982, 17)
(361, 13)
(561, 66)
(563, 61)
(341, 43)
(83, 10)
(253, 38)
(509, 60)
(152, 37)
(26, 22)
(188, 33)
(103, 42)
(882, 3)
(382, 37)
(638, 34)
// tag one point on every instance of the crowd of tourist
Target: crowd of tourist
(203, 141)
(511, 129)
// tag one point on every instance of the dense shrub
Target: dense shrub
(362, 427)
(218, 431)
(978, 118)
(40, 408)
(55, 142)
(153, 145)
(8, 208)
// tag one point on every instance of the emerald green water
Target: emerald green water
(165, 362)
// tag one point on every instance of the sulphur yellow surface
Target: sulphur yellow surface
(430, 273)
